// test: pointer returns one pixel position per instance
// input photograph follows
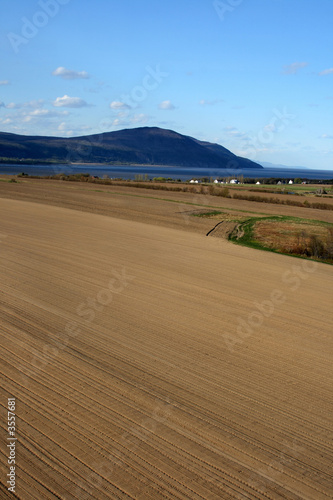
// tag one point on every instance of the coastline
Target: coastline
(182, 173)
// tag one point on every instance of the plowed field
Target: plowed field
(152, 362)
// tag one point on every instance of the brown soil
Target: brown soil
(131, 203)
(141, 364)
(223, 229)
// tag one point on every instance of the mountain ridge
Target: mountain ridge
(143, 145)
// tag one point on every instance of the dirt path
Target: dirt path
(150, 362)
(223, 229)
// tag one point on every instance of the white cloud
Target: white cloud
(40, 114)
(119, 105)
(32, 113)
(204, 102)
(121, 120)
(326, 136)
(12, 105)
(47, 113)
(166, 105)
(292, 69)
(64, 130)
(69, 102)
(326, 72)
(34, 104)
(140, 118)
(234, 132)
(4, 82)
(62, 126)
(2, 104)
(125, 120)
(30, 104)
(68, 74)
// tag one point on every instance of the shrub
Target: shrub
(224, 192)
(312, 245)
(322, 206)
(316, 247)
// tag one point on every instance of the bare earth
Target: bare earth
(149, 361)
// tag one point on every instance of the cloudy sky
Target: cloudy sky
(253, 75)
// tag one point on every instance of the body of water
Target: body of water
(129, 172)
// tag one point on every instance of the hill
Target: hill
(144, 145)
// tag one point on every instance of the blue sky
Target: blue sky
(255, 76)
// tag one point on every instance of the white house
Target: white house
(291, 182)
(233, 181)
(258, 182)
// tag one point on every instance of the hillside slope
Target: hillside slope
(144, 145)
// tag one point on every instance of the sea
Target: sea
(149, 172)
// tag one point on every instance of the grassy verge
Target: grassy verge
(303, 238)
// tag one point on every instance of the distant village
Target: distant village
(238, 181)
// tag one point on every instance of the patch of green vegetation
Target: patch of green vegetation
(207, 214)
(247, 239)
(244, 235)
(162, 179)
(9, 180)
